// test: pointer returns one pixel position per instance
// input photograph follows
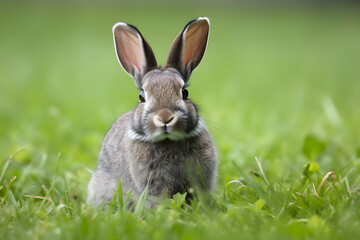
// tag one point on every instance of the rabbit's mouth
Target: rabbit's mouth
(175, 128)
(165, 123)
(164, 133)
(167, 131)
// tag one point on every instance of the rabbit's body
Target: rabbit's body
(167, 166)
(163, 142)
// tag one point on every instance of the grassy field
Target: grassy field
(279, 84)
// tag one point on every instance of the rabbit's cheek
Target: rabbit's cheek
(192, 117)
(137, 119)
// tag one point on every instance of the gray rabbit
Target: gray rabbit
(163, 142)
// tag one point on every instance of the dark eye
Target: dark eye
(142, 96)
(185, 93)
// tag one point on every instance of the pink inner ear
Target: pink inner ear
(130, 50)
(195, 42)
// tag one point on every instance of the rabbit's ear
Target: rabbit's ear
(134, 53)
(189, 47)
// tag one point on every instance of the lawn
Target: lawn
(279, 88)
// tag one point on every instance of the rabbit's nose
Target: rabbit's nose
(164, 117)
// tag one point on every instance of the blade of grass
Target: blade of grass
(8, 163)
(10, 193)
(48, 192)
(120, 195)
(140, 205)
(258, 161)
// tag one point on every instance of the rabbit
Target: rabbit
(162, 144)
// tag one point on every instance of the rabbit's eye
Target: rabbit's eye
(185, 93)
(142, 96)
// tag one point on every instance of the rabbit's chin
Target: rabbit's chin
(161, 135)
(174, 136)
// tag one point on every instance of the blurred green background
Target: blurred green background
(273, 76)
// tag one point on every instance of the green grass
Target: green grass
(280, 85)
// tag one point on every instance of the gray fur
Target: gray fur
(158, 145)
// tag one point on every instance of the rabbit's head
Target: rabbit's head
(164, 110)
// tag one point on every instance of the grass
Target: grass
(278, 87)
